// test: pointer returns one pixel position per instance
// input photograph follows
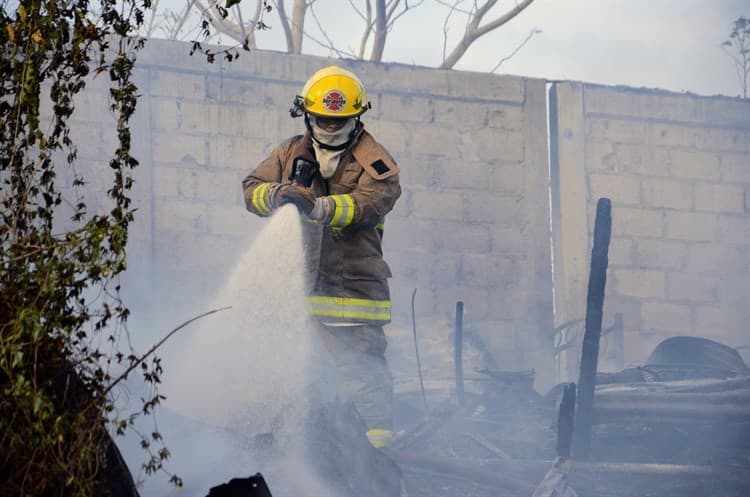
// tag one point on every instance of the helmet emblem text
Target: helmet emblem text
(334, 100)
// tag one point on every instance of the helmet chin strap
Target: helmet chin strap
(326, 146)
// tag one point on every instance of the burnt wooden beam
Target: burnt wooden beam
(592, 331)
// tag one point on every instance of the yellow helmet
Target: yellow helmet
(332, 92)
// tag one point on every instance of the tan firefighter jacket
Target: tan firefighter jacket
(347, 273)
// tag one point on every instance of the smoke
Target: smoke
(249, 373)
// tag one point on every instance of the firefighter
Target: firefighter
(344, 183)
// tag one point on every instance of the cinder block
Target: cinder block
(628, 102)
(473, 85)
(508, 179)
(600, 156)
(715, 258)
(178, 148)
(732, 112)
(642, 283)
(248, 122)
(178, 84)
(410, 233)
(499, 335)
(437, 205)
(668, 135)
(98, 175)
(140, 231)
(273, 95)
(424, 139)
(110, 142)
(464, 174)
(732, 289)
(390, 134)
(172, 215)
(609, 101)
(285, 67)
(219, 185)
(197, 117)
(694, 226)
(475, 299)
(670, 193)
(734, 229)
(507, 240)
(241, 91)
(660, 254)
(694, 165)
(506, 117)
(643, 160)
(492, 144)
(621, 252)
(395, 77)
(716, 197)
(615, 131)
(422, 171)
(691, 287)
(628, 221)
(491, 271)
(93, 106)
(174, 182)
(721, 140)
(88, 139)
(234, 152)
(461, 237)
(460, 114)
(620, 189)
(664, 106)
(406, 108)
(720, 323)
(735, 168)
(414, 267)
(485, 207)
(444, 269)
(234, 220)
(165, 114)
(666, 316)
(510, 304)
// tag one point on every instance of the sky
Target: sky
(667, 44)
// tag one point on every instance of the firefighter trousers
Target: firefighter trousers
(364, 375)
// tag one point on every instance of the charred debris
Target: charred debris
(676, 426)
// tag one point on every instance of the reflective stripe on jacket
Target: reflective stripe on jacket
(347, 273)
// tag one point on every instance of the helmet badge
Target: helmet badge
(334, 101)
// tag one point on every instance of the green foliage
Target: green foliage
(60, 312)
(738, 48)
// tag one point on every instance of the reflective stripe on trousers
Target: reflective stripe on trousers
(343, 308)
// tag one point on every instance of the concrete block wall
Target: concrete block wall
(677, 170)
(472, 223)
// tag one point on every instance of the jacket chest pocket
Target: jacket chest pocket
(346, 181)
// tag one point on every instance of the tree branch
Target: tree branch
(158, 344)
(218, 22)
(381, 32)
(284, 24)
(367, 31)
(474, 30)
(330, 44)
(514, 52)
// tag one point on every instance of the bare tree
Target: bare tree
(738, 48)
